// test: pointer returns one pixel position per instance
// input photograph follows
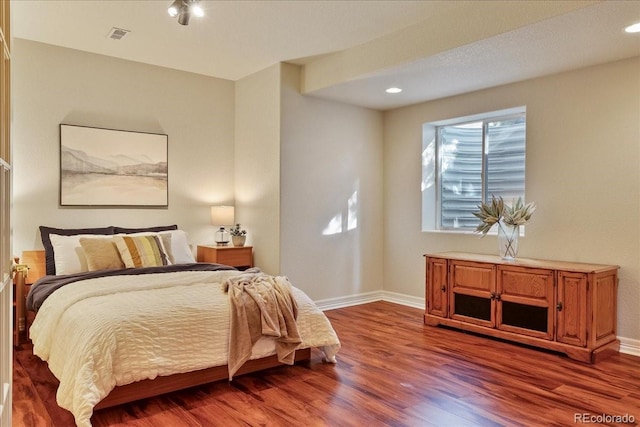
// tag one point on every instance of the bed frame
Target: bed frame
(161, 385)
(146, 388)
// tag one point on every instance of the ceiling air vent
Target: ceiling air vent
(117, 33)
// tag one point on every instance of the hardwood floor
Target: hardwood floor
(392, 371)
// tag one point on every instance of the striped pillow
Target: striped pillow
(141, 251)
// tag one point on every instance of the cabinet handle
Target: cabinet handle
(497, 297)
(559, 306)
(493, 296)
(443, 288)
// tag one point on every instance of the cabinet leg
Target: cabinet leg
(431, 320)
(592, 356)
(605, 351)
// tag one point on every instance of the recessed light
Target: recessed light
(634, 28)
(394, 90)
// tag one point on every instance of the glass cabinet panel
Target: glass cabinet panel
(470, 306)
(525, 316)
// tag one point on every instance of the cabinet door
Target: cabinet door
(472, 292)
(572, 308)
(525, 301)
(437, 301)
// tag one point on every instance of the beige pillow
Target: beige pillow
(68, 255)
(101, 254)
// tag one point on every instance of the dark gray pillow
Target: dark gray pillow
(122, 230)
(48, 247)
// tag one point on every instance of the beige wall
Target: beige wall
(297, 160)
(583, 172)
(53, 85)
(329, 153)
(257, 164)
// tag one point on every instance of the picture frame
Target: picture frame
(113, 168)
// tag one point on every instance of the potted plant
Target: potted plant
(509, 220)
(238, 236)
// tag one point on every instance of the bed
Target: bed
(124, 314)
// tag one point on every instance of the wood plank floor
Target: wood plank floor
(392, 371)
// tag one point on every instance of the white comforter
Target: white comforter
(99, 333)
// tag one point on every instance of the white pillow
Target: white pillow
(68, 255)
(180, 251)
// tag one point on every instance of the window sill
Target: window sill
(469, 232)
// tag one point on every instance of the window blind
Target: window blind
(477, 160)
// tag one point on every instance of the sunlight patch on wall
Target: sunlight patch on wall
(352, 212)
(334, 226)
(344, 221)
(428, 164)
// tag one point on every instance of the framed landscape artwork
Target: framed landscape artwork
(106, 167)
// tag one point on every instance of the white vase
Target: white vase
(508, 241)
(238, 240)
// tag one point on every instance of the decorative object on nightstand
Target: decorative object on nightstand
(238, 236)
(222, 216)
(509, 220)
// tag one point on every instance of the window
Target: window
(466, 161)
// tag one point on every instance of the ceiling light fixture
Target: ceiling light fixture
(393, 90)
(635, 28)
(183, 10)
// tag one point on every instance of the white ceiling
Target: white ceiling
(350, 50)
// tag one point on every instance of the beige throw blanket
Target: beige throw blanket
(261, 305)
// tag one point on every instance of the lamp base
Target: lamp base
(222, 237)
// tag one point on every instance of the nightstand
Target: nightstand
(21, 285)
(22, 281)
(240, 257)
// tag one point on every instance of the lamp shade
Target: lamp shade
(222, 215)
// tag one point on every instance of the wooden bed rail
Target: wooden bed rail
(161, 385)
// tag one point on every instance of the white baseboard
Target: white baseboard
(627, 345)
(402, 299)
(348, 301)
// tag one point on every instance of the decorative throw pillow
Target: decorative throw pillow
(101, 254)
(141, 251)
(175, 244)
(166, 244)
